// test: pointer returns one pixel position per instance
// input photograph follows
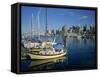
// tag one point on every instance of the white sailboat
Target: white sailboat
(45, 50)
(46, 55)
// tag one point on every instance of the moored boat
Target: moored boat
(44, 49)
(53, 52)
(46, 55)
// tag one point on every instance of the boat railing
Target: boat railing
(47, 53)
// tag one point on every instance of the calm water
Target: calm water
(81, 54)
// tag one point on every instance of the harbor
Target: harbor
(39, 49)
(78, 55)
(47, 47)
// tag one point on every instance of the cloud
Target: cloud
(84, 17)
(71, 13)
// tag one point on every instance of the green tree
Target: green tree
(77, 29)
(64, 35)
(84, 28)
(53, 32)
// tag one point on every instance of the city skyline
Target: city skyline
(57, 17)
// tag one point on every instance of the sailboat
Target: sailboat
(31, 44)
(46, 49)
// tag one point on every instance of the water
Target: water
(81, 54)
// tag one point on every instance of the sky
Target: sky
(57, 17)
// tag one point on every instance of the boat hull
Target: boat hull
(33, 56)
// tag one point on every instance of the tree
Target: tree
(64, 35)
(52, 32)
(84, 28)
(57, 31)
(93, 29)
(73, 28)
(77, 29)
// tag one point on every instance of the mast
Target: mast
(32, 26)
(39, 27)
(46, 27)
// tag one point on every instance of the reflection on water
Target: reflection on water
(39, 65)
(81, 53)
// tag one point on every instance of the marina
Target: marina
(78, 55)
(43, 49)
(65, 47)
